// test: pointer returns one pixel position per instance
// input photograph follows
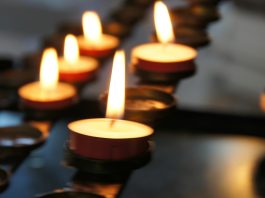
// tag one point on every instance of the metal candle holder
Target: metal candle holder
(20, 139)
(192, 37)
(198, 16)
(141, 104)
(163, 77)
(109, 168)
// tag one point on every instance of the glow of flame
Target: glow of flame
(71, 50)
(163, 25)
(49, 73)
(92, 26)
(116, 96)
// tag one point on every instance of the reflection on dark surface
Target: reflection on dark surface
(205, 166)
(183, 166)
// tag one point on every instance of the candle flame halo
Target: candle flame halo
(163, 25)
(71, 49)
(49, 71)
(116, 96)
(92, 26)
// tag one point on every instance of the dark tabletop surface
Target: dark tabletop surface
(184, 164)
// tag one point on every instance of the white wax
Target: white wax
(158, 52)
(83, 64)
(106, 42)
(34, 91)
(101, 127)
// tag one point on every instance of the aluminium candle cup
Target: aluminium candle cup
(20, 139)
(98, 146)
(145, 105)
(162, 78)
(188, 36)
(187, 20)
(110, 169)
(204, 14)
(168, 88)
(68, 194)
(155, 62)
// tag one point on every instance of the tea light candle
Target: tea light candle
(94, 42)
(111, 138)
(166, 56)
(48, 93)
(75, 68)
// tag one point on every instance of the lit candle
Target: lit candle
(48, 93)
(111, 138)
(94, 42)
(165, 56)
(73, 67)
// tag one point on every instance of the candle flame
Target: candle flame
(163, 25)
(71, 50)
(49, 73)
(92, 26)
(116, 97)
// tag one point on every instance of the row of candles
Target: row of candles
(108, 138)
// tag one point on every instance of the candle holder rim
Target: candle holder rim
(25, 131)
(171, 97)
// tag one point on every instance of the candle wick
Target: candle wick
(112, 122)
